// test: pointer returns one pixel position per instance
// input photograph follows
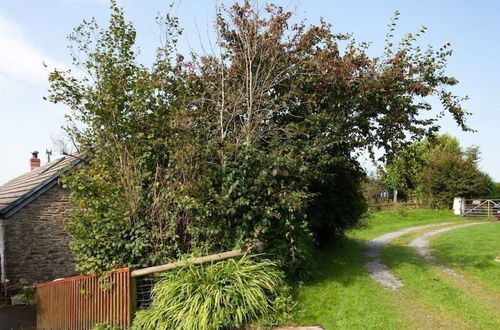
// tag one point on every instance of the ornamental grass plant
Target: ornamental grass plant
(225, 295)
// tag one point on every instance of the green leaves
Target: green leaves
(223, 295)
(436, 171)
(199, 154)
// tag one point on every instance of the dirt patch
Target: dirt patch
(381, 273)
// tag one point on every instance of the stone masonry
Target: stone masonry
(36, 244)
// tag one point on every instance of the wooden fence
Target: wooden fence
(80, 302)
(398, 206)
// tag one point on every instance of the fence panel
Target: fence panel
(398, 206)
(82, 301)
(481, 208)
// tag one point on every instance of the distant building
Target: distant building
(33, 212)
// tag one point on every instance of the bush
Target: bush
(435, 171)
(26, 295)
(495, 192)
(228, 294)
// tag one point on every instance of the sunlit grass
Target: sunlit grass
(446, 304)
(342, 296)
(382, 222)
(473, 251)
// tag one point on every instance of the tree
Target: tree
(452, 172)
(402, 172)
(436, 170)
(256, 142)
(495, 192)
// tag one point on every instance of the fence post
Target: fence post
(133, 298)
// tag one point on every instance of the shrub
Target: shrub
(26, 295)
(228, 294)
(435, 171)
(495, 192)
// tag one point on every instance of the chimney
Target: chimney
(34, 161)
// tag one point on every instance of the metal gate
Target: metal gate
(481, 208)
(81, 302)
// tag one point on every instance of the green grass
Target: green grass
(473, 251)
(342, 296)
(447, 305)
(382, 222)
(225, 295)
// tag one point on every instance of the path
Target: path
(468, 285)
(380, 272)
(421, 243)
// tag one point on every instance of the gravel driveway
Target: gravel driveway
(378, 271)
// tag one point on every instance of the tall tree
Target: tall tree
(452, 172)
(258, 141)
(437, 170)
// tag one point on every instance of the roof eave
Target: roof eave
(51, 181)
(16, 206)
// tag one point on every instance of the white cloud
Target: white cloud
(20, 60)
(27, 121)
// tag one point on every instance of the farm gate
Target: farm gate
(488, 208)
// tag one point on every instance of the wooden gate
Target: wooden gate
(80, 302)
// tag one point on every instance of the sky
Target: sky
(33, 32)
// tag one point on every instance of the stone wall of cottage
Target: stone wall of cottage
(36, 244)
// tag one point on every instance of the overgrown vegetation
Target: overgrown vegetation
(255, 142)
(436, 171)
(26, 295)
(225, 295)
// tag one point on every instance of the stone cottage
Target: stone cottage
(33, 210)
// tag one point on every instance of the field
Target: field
(457, 289)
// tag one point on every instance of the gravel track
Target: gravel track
(421, 243)
(378, 271)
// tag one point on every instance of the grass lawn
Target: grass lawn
(379, 223)
(342, 296)
(479, 246)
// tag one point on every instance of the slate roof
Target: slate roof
(19, 192)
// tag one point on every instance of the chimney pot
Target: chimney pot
(34, 161)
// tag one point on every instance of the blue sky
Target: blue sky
(32, 31)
